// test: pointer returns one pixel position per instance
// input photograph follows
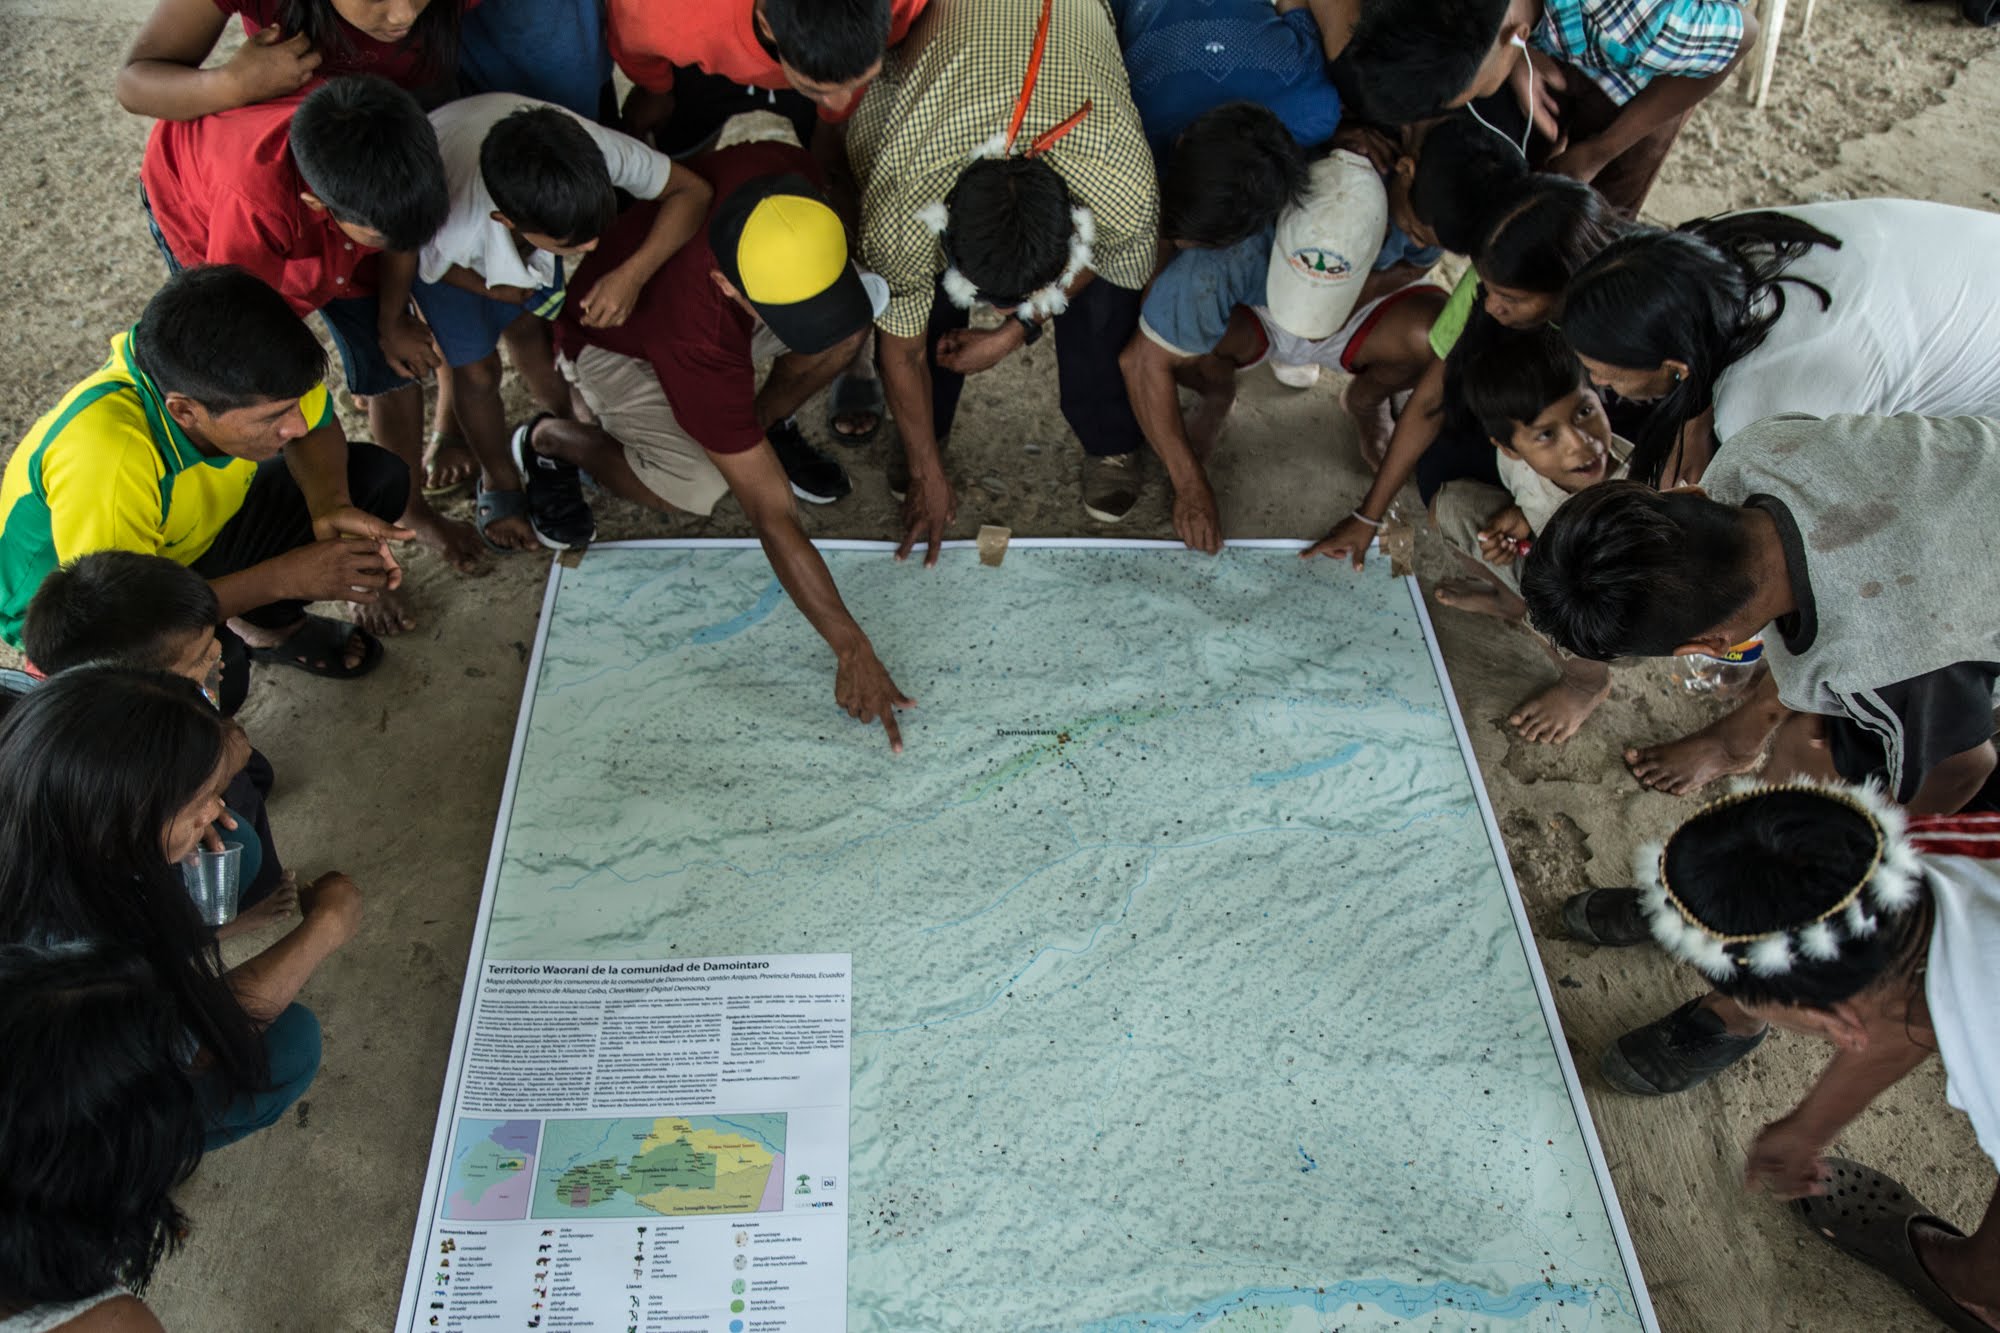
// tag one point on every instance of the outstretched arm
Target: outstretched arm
(1416, 430)
(1149, 382)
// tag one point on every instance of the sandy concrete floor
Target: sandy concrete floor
(397, 779)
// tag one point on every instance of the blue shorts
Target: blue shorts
(468, 326)
(351, 320)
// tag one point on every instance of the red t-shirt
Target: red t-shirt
(649, 37)
(697, 339)
(224, 191)
(400, 63)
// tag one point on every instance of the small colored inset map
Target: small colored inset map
(492, 1170)
(669, 1166)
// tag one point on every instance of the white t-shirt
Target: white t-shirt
(1537, 496)
(470, 237)
(1914, 326)
(1963, 988)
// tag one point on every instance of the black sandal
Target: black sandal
(318, 647)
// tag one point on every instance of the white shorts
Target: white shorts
(1341, 350)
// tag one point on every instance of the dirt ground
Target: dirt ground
(397, 779)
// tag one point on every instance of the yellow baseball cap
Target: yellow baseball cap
(781, 244)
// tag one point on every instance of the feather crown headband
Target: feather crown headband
(1887, 886)
(1052, 298)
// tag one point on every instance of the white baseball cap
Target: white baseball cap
(1326, 246)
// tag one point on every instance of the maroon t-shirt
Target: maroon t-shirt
(697, 339)
(400, 63)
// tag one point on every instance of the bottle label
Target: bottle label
(1743, 654)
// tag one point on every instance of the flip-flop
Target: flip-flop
(319, 648)
(490, 507)
(1870, 1216)
(851, 394)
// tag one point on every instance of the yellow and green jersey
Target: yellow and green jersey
(108, 469)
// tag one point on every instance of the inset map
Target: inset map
(664, 1166)
(492, 1170)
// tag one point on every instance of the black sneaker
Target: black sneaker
(1606, 916)
(557, 511)
(1684, 1050)
(816, 478)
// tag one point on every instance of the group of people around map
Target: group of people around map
(1768, 437)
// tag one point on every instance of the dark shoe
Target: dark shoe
(557, 511)
(1684, 1050)
(815, 477)
(1111, 485)
(1606, 916)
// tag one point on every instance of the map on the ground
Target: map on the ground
(1190, 992)
(666, 1166)
(493, 1170)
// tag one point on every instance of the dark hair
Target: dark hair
(434, 36)
(93, 765)
(1464, 172)
(116, 606)
(1409, 59)
(1009, 227)
(367, 151)
(548, 176)
(220, 336)
(829, 41)
(99, 1123)
(1510, 376)
(1706, 293)
(1229, 175)
(1779, 860)
(1546, 231)
(1623, 570)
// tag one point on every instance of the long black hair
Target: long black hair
(94, 764)
(99, 1123)
(1706, 293)
(433, 37)
(1547, 231)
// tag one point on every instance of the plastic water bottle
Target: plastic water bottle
(1725, 675)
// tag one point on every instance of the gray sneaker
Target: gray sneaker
(1111, 484)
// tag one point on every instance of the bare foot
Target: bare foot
(1374, 423)
(1692, 762)
(1954, 1263)
(513, 534)
(256, 636)
(384, 616)
(1205, 423)
(1557, 713)
(457, 542)
(448, 462)
(284, 900)
(1481, 598)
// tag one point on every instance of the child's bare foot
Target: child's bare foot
(1210, 415)
(385, 616)
(448, 462)
(1481, 598)
(457, 542)
(1692, 762)
(283, 901)
(1374, 422)
(1559, 712)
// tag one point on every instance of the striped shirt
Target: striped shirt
(951, 87)
(1622, 44)
(108, 469)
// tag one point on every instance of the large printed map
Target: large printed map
(1188, 991)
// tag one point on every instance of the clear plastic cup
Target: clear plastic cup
(215, 882)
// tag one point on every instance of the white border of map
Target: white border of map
(440, 1141)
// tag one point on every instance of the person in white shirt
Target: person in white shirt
(1527, 391)
(532, 185)
(1831, 912)
(1876, 307)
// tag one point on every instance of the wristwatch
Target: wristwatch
(1033, 330)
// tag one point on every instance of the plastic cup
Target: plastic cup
(215, 882)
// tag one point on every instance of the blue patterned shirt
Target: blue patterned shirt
(1622, 44)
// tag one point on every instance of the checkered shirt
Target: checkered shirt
(949, 88)
(1622, 44)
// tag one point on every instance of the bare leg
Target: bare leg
(1391, 359)
(1214, 380)
(397, 420)
(1968, 1268)
(1730, 745)
(447, 462)
(530, 344)
(483, 419)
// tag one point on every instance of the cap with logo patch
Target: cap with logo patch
(780, 244)
(1326, 246)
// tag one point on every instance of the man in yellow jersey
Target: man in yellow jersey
(208, 438)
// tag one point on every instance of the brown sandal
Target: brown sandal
(1870, 1216)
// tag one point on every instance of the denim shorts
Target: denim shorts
(468, 326)
(351, 320)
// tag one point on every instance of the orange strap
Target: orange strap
(1034, 72)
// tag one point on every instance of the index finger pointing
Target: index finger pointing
(895, 732)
